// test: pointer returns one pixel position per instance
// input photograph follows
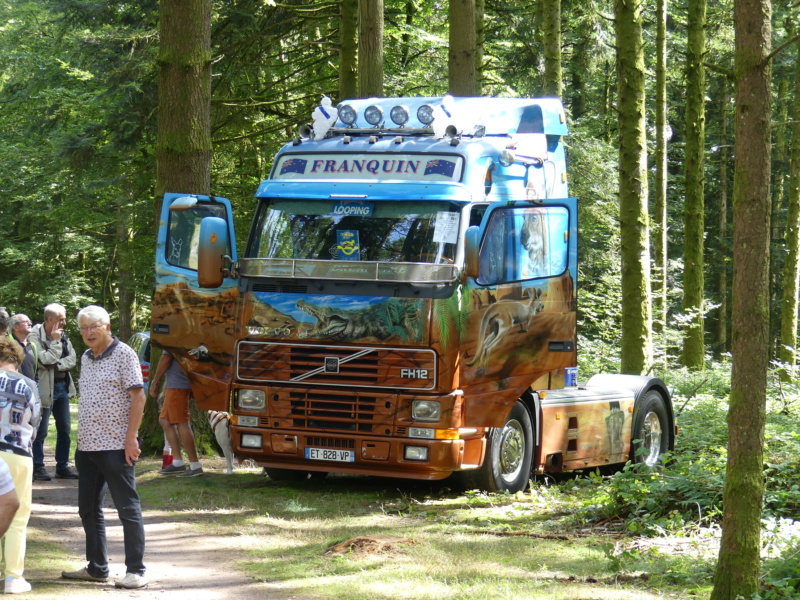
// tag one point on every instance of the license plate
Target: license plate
(328, 454)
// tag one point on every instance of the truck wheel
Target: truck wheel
(651, 431)
(509, 450)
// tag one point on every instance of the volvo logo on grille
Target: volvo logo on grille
(331, 364)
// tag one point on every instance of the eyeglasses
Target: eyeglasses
(91, 328)
(24, 322)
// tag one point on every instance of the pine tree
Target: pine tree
(636, 352)
(737, 571)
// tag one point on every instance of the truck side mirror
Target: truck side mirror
(472, 241)
(212, 247)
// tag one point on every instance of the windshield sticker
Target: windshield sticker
(347, 247)
(407, 167)
(354, 208)
(446, 227)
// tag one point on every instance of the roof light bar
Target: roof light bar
(373, 114)
(425, 114)
(399, 115)
(347, 114)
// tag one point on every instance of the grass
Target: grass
(464, 546)
(477, 546)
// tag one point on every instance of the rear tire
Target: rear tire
(509, 451)
(651, 435)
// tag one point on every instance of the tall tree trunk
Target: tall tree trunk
(791, 266)
(636, 351)
(370, 49)
(183, 141)
(694, 209)
(126, 290)
(551, 24)
(480, 38)
(608, 103)
(348, 49)
(461, 57)
(737, 570)
(722, 240)
(411, 10)
(778, 220)
(660, 212)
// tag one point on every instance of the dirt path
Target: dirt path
(180, 561)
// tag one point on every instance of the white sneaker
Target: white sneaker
(17, 585)
(132, 581)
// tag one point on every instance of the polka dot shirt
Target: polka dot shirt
(105, 401)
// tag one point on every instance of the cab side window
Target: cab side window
(183, 232)
(524, 243)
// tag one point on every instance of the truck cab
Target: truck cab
(405, 304)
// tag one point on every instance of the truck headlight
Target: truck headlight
(426, 410)
(373, 114)
(425, 114)
(399, 115)
(347, 114)
(252, 399)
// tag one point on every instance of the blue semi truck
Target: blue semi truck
(405, 303)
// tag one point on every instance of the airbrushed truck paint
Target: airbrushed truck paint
(186, 318)
(253, 338)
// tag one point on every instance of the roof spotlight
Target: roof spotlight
(425, 114)
(373, 114)
(347, 114)
(399, 115)
(506, 157)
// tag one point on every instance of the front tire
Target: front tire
(651, 435)
(509, 451)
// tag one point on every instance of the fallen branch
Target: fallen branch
(543, 536)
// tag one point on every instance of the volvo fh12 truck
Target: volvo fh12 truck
(405, 303)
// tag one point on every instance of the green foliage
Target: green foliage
(781, 575)
(651, 502)
(686, 492)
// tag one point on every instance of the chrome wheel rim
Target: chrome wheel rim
(651, 438)
(512, 451)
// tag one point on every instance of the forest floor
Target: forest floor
(182, 562)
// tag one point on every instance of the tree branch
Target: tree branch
(718, 69)
(788, 42)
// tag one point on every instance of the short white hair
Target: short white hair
(54, 310)
(94, 313)
(13, 321)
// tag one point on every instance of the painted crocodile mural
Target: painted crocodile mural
(392, 317)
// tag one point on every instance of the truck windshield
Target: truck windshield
(395, 231)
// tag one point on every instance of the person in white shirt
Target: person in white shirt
(20, 412)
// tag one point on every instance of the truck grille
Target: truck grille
(347, 366)
(332, 410)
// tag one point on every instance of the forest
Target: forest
(79, 125)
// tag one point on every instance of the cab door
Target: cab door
(198, 326)
(521, 271)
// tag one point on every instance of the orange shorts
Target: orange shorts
(176, 406)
